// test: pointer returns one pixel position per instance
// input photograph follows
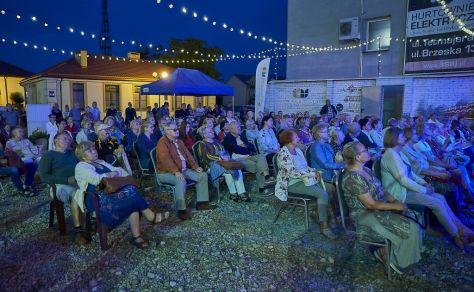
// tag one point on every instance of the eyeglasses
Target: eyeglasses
(174, 130)
(365, 150)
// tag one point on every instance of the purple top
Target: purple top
(305, 137)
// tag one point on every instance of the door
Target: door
(392, 102)
(370, 103)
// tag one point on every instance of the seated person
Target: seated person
(224, 130)
(146, 141)
(371, 207)
(115, 208)
(353, 131)
(251, 132)
(268, 143)
(376, 133)
(131, 136)
(212, 152)
(120, 122)
(15, 175)
(29, 153)
(175, 165)
(364, 135)
(336, 137)
(405, 186)
(92, 135)
(295, 176)
(5, 135)
(323, 158)
(86, 128)
(304, 132)
(185, 135)
(114, 132)
(71, 127)
(107, 148)
(439, 159)
(240, 149)
(441, 179)
(57, 167)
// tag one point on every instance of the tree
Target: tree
(17, 97)
(185, 50)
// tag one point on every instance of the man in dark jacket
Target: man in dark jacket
(328, 110)
(240, 149)
(364, 136)
(130, 114)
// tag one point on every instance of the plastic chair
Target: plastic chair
(58, 206)
(143, 171)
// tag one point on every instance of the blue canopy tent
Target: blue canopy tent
(187, 82)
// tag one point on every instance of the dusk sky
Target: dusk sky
(140, 20)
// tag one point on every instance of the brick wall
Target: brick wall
(422, 94)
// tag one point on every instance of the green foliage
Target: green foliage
(17, 98)
(178, 50)
(37, 134)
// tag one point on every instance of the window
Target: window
(300, 93)
(112, 96)
(378, 28)
(78, 94)
(139, 101)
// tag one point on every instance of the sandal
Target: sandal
(235, 198)
(245, 198)
(163, 217)
(135, 241)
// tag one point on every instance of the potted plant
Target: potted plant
(39, 137)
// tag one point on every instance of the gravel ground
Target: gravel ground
(235, 247)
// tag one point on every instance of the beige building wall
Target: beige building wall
(12, 85)
(51, 90)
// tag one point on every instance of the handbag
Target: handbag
(231, 165)
(14, 160)
(114, 184)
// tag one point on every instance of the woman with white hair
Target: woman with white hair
(127, 203)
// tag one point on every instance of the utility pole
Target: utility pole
(105, 41)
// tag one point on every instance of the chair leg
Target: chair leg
(51, 214)
(60, 213)
(218, 188)
(306, 215)
(280, 210)
(1, 187)
(103, 236)
(389, 269)
(88, 225)
(341, 213)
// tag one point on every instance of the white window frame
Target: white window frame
(368, 34)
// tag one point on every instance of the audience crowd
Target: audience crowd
(388, 176)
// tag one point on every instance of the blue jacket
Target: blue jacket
(143, 147)
(230, 144)
(322, 158)
(129, 138)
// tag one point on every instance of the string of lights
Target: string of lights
(452, 17)
(46, 48)
(82, 33)
(88, 35)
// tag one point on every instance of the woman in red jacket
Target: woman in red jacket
(186, 136)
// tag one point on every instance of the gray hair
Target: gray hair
(82, 148)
